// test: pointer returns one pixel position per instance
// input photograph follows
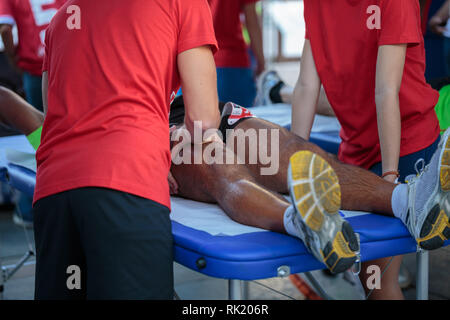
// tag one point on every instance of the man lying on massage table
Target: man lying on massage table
(317, 182)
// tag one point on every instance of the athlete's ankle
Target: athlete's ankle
(288, 222)
(399, 201)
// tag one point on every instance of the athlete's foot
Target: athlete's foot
(428, 213)
(266, 81)
(316, 196)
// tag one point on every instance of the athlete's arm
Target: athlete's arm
(306, 95)
(199, 82)
(389, 74)
(16, 112)
(255, 32)
(8, 41)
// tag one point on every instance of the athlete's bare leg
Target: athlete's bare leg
(235, 190)
(361, 189)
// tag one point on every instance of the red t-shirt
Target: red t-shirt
(110, 86)
(32, 18)
(228, 27)
(345, 52)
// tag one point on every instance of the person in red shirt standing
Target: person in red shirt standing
(370, 57)
(235, 77)
(101, 201)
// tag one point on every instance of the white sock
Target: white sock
(289, 222)
(400, 201)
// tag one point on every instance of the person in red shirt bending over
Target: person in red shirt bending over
(370, 58)
(102, 198)
(32, 17)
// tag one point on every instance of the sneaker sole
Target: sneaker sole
(316, 194)
(436, 228)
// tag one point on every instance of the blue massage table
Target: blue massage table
(207, 241)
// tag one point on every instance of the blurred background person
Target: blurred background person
(31, 19)
(440, 24)
(235, 76)
(31, 22)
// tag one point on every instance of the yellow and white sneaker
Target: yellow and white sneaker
(316, 196)
(428, 213)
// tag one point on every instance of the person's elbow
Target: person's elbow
(303, 88)
(386, 95)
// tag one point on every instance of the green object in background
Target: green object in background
(246, 35)
(35, 138)
(443, 108)
(244, 28)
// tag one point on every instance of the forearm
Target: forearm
(256, 44)
(306, 95)
(8, 41)
(45, 91)
(199, 82)
(304, 107)
(16, 112)
(444, 12)
(202, 110)
(255, 33)
(389, 75)
(389, 129)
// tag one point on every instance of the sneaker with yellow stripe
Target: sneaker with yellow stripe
(316, 196)
(428, 213)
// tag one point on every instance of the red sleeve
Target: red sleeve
(6, 13)
(400, 22)
(195, 26)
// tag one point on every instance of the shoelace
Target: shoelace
(419, 172)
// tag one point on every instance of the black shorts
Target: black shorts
(232, 115)
(121, 243)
